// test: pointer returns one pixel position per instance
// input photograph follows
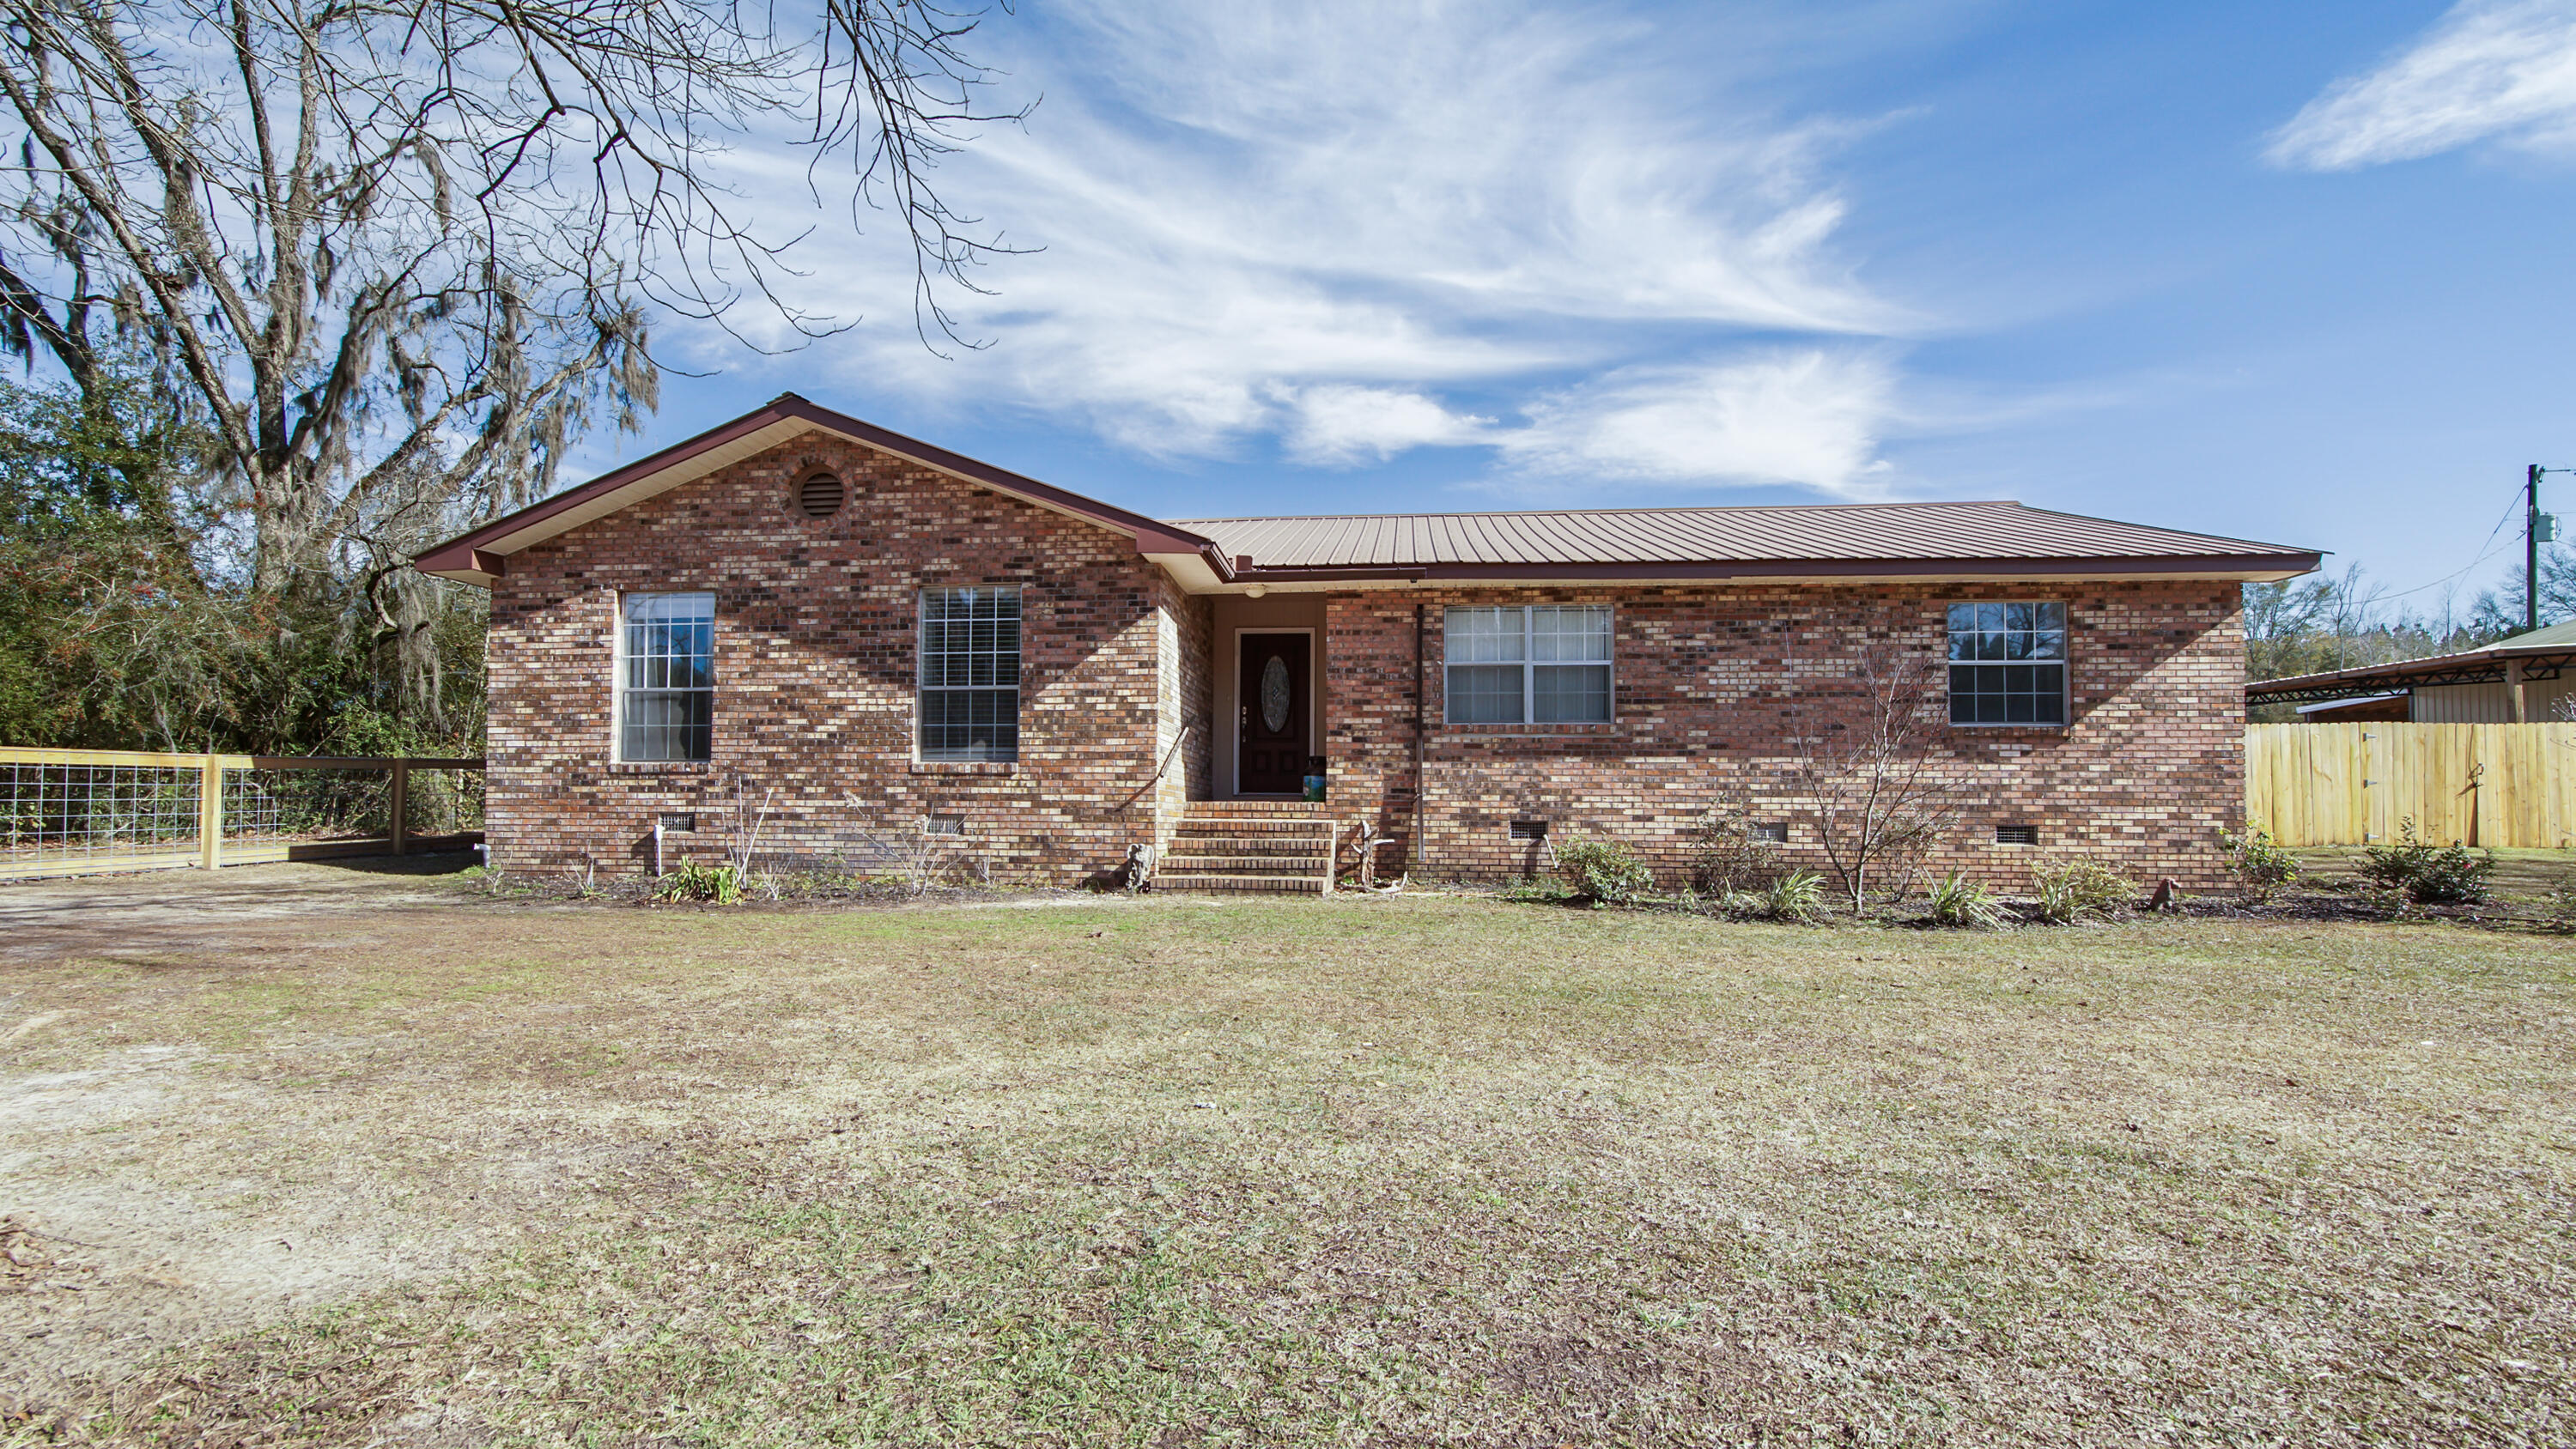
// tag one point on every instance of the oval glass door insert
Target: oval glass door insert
(1274, 695)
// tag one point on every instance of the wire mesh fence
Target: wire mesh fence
(70, 812)
(268, 806)
(70, 817)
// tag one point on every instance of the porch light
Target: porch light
(1256, 591)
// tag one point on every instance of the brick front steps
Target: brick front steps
(1269, 847)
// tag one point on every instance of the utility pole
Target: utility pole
(2530, 548)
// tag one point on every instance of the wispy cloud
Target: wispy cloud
(1357, 227)
(2500, 69)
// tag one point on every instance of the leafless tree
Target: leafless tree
(398, 255)
(1869, 767)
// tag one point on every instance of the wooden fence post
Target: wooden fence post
(210, 812)
(399, 826)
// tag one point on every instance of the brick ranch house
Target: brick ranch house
(883, 639)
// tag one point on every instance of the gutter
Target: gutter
(2243, 566)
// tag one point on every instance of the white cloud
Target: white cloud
(1328, 223)
(1807, 416)
(1338, 425)
(2486, 70)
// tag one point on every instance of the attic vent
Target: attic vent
(1529, 830)
(2016, 835)
(820, 496)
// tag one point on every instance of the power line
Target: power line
(2488, 546)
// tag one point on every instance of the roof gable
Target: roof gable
(482, 555)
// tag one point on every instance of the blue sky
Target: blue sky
(2287, 271)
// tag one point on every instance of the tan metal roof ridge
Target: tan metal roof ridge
(480, 555)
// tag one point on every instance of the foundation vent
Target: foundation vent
(2016, 835)
(1531, 830)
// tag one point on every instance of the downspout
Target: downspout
(1413, 850)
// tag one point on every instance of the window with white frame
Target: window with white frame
(1527, 664)
(970, 674)
(2008, 664)
(666, 702)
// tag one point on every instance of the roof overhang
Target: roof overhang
(2476, 666)
(482, 556)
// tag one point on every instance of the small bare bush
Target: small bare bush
(1727, 853)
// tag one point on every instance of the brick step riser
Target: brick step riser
(1317, 828)
(1236, 865)
(1261, 863)
(1242, 885)
(1228, 845)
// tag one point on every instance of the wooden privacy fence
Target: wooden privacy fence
(75, 812)
(2352, 784)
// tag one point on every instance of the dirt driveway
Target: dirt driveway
(150, 1224)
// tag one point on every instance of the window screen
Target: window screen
(970, 674)
(668, 707)
(2008, 664)
(1528, 664)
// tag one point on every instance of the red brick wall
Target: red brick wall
(1713, 684)
(815, 659)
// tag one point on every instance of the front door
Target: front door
(1272, 702)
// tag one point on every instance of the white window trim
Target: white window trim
(1529, 671)
(2065, 672)
(617, 657)
(1019, 690)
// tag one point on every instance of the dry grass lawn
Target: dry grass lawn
(407, 1166)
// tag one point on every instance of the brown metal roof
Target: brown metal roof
(1875, 537)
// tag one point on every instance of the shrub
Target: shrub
(1605, 872)
(1726, 856)
(2427, 874)
(1959, 901)
(2093, 889)
(695, 881)
(2258, 862)
(1798, 896)
(2073, 890)
(2057, 903)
